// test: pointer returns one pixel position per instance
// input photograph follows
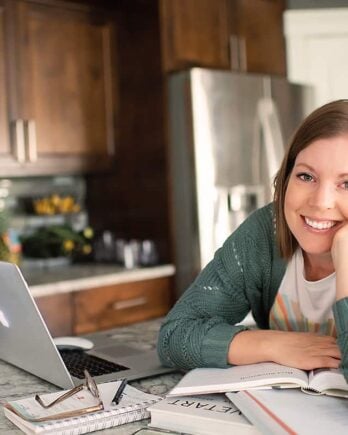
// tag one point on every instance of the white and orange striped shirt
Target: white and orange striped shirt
(302, 305)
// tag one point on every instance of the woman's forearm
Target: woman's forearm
(303, 350)
(249, 347)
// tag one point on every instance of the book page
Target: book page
(292, 412)
(262, 375)
(327, 379)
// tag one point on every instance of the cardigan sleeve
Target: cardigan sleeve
(340, 310)
(198, 330)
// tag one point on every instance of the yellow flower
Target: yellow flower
(88, 232)
(86, 249)
(68, 245)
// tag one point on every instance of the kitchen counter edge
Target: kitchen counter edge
(66, 285)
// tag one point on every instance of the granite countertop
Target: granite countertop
(15, 383)
(78, 277)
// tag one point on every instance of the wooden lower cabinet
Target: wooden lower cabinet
(122, 304)
(105, 307)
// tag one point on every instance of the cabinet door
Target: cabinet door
(245, 35)
(257, 26)
(64, 85)
(5, 145)
(121, 304)
(194, 33)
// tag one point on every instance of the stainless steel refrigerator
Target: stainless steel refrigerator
(227, 134)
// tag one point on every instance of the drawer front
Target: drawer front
(121, 304)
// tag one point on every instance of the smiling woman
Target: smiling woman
(285, 263)
(316, 200)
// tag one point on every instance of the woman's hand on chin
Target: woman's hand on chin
(339, 252)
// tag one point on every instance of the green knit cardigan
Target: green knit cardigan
(244, 275)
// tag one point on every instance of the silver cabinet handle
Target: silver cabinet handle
(30, 129)
(129, 303)
(19, 140)
(238, 54)
(242, 54)
(234, 53)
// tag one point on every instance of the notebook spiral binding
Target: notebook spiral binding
(100, 419)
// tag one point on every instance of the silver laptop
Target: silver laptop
(26, 343)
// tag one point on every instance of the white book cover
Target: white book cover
(204, 415)
(285, 412)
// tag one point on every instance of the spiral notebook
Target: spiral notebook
(132, 407)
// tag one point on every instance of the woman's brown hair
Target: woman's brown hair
(327, 121)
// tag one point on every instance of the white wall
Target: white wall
(317, 47)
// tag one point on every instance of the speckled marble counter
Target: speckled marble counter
(15, 383)
(78, 277)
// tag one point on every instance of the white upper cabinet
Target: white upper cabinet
(317, 47)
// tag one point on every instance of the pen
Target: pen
(119, 392)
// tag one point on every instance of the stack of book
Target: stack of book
(243, 400)
(263, 398)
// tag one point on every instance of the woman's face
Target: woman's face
(316, 199)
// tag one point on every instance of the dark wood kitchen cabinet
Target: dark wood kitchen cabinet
(60, 61)
(257, 38)
(5, 144)
(244, 35)
(194, 32)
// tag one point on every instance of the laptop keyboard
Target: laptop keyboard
(77, 360)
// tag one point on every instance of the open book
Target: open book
(261, 376)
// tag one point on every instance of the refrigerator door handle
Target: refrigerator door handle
(269, 129)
